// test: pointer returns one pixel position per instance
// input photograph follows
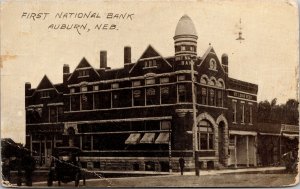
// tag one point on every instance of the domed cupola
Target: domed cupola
(185, 40)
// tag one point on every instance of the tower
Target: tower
(185, 41)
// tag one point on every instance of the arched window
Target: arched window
(213, 81)
(205, 135)
(204, 79)
(221, 83)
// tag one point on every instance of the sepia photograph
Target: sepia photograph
(149, 93)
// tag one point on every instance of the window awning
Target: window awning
(163, 138)
(133, 138)
(290, 136)
(148, 138)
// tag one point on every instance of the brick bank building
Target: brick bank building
(140, 116)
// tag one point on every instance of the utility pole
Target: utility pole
(195, 137)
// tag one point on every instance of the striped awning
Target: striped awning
(148, 138)
(163, 138)
(133, 138)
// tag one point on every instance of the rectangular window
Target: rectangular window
(250, 114)
(183, 48)
(75, 102)
(136, 83)
(115, 85)
(165, 95)
(220, 99)
(115, 100)
(234, 111)
(105, 100)
(83, 73)
(138, 98)
(97, 97)
(60, 113)
(72, 90)
(86, 142)
(204, 96)
(242, 113)
(45, 94)
(84, 89)
(150, 81)
(212, 101)
(96, 88)
(53, 114)
(181, 78)
(182, 96)
(86, 101)
(165, 125)
(151, 97)
(164, 80)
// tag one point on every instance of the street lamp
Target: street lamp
(195, 137)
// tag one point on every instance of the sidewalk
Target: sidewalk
(241, 170)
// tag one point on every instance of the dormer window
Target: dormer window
(115, 85)
(45, 94)
(150, 63)
(83, 73)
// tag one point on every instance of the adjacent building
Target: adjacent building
(140, 116)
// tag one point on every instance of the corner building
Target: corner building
(140, 117)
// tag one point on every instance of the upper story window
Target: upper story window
(250, 114)
(115, 85)
(234, 111)
(164, 80)
(212, 64)
(150, 81)
(84, 89)
(45, 94)
(150, 92)
(96, 88)
(183, 48)
(181, 77)
(165, 125)
(220, 98)
(204, 96)
(72, 90)
(192, 48)
(212, 101)
(136, 83)
(182, 96)
(150, 63)
(242, 112)
(83, 73)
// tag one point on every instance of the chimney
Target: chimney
(66, 69)
(103, 59)
(224, 59)
(27, 86)
(127, 54)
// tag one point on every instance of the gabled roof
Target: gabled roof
(83, 64)
(203, 58)
(45, 83)
(149, 53)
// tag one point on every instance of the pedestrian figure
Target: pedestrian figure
(181, 164)
(29, 166)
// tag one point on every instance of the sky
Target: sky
(30, 49)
